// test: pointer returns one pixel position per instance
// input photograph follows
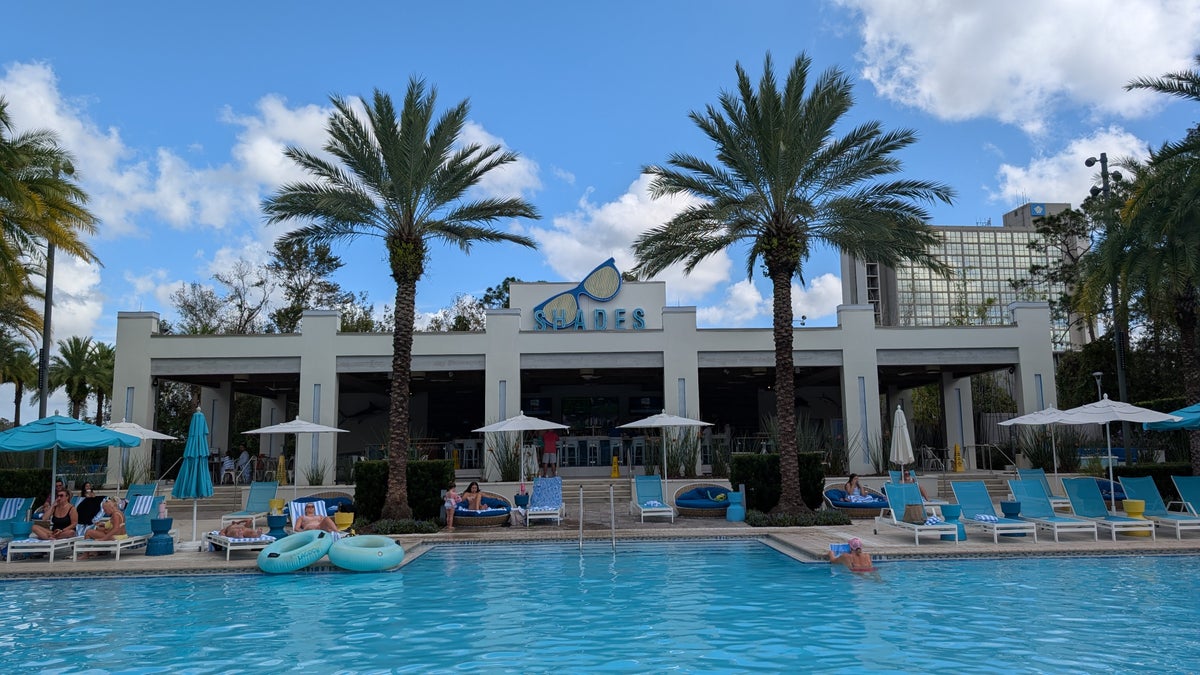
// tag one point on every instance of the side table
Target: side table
(161, 542)
(276, 524)
(951, 513)
(1135, 508)
(1011, 510)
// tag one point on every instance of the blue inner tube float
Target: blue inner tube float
(294, 552)
(366, 553)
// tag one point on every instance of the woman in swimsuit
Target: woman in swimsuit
(474, 497)
(852, 486)
(63, 519)
(107, 530)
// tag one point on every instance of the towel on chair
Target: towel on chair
(141, 505)
(653, 504)
(933, 520)
(986, 518)
(857, 499)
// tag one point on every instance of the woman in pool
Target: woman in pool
(474, 497)
(857, 560)
(62, 516)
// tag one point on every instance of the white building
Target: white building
(563, 354)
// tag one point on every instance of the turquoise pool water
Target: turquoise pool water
(714, 606)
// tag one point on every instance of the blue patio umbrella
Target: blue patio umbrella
(1190, 415)
(194, 481)
(57, 432)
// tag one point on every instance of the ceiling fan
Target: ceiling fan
(589, 374)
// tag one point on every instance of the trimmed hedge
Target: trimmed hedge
(426, 480)
(1162, 476)
(760, 474)
(25, 483)
(813, 519)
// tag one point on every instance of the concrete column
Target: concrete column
(318, 394)
(216, 404)
(960, 417)
(860, 386)
(133, 386)
(272, 411)
(501, 379)
(1034, 377)
(681, 368)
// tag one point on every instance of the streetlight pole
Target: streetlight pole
(1120, 315)
(1099, 392)
(44, 356)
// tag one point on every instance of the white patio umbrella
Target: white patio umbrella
(1105, 411)
(902, 449)
(520, 423)
(664, 421)
(138, 431)
(298, 426)
(1046, 416)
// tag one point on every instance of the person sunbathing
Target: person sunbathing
(311, 521)
(107, 530)
(240, 529)
(474, 498)
(857, 560)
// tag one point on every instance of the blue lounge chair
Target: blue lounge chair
(13, 509)
(1036, 507)
(648, 498)
(1143, 488)
(901, 495)
(137, 529)
(1188, 488)
(1087, 502)
(257, 503)
(1039, 475)
(973, 497)
(546, 502)
(139, 489)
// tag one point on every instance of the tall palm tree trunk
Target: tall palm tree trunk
(1185, 318)
(790, 499)
(18, 395)
(407, 260)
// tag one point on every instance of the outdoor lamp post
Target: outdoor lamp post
(44, 356)
(1099, 392)
(1118, 319)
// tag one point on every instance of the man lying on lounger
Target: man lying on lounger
(311, 521)
(241, 529)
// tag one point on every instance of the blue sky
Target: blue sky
(177, 115)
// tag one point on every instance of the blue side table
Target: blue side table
(1011, 510)
(736, 512)
(276, 524)
(951, 513)
(161, 542)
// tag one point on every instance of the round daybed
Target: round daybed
(496, 513)
(835, 498)
(704, 500)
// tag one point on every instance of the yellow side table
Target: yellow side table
(1134, 508)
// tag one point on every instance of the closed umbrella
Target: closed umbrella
(901, 450)
(1105, 411)
(194, 481)
(62, 433)
(520, 423)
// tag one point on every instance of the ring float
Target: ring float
(366, 553)
(295, 552)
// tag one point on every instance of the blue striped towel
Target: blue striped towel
(933, 520)
(9, 510)
(653, 504)
(986, 518)
(141, 505)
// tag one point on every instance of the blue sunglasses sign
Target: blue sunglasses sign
(563, 311)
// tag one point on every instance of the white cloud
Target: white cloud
(564, 175)
(595, 232)
(1019, 61)
(742, 304)
(1064, 177)
(820, 298)
(511, 180)
(78, 300)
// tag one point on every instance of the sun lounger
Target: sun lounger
(48, 546)
(973, 497)
(137, 532)
(648, 499)
(1087, 502)
(257, 503)
(899, 496)
(1056, 501)
(1188, 488)
(1143, 488)
(1036, 507)
(546, 502)
(12, 510)
(218, 541)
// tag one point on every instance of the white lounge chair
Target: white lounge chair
(648, 499)
(899, 497)
(1143, 488)
(230, 544)
(48, 546)
(546, 502)
(1087, 502)
(973, 497)
(137, 530)
(258, 503)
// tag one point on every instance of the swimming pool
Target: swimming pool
(695, 606)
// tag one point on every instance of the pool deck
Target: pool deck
(807, 544)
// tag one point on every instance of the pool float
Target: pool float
(294, 552)
(366, 553)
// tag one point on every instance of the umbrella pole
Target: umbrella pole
(53, 471)
(1112, 491)
(1053, 451)
(195, 501)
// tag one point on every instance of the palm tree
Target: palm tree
(1183, 84)
(71, 370)
(18, 366)
(403, 179)
(38, 203)
(100, 381)
(784, 183)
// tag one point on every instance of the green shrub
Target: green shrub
(400, 527)
(812, 478)
(426, 480)
(1162, 476)
(813, 519)
(25, 483)
(760, 474)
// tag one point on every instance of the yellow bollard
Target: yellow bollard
(616, 473)
(958, 459)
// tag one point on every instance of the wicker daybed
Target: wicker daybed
(835, 498)
(697, 500)
(497, 513)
